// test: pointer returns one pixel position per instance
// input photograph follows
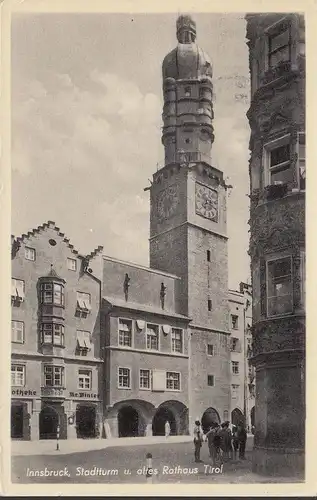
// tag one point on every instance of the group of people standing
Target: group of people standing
(223, 443)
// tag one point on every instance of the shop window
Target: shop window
(279, 46)
(83, 342)
(124, 378)
(234, 321)
(125, 333)
(177, 340)
(83, 304)
(84, 379)
(17, 290)
(173, 381)
(235, 367)
(53, 333)
(17, 332)
(52, 294)
(18, 375)
(29, 253)
(210, 380)
(152, 337)
(279, 286)
(72, 264)
(145, 380)
(53, 376)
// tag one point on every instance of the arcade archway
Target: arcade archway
(209, 417)
(128, 422)
(162, 416)
(237, 417)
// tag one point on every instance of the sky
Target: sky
(86, 125)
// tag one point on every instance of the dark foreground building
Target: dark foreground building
(277, 245)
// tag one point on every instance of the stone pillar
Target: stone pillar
(148, 430)
(34, 409)
(111, 427)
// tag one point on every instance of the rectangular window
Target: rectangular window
(53, 333)
(53, 376)
(209, 305)
(83, 301)
(125, 332)
(187, 91)
(208, 255)
(17, 289)
(279, 286)
(17, 331)
(72, 264)
(84, 379)
(235, 367)
(29, 253)
(302, 161)
(177, 340)
(211, 380)
(279, 45)
(145, 379)
(152, 337)
(234, 321)
(173, 381)
(277, 155)
(52, 293)
(210, 350)
(124, 378)
(18, 375)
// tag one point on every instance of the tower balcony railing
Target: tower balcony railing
(185, 157)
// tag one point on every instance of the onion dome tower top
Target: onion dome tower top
(187, 60)
(187, 88)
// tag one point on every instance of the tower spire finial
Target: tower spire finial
(185, 29)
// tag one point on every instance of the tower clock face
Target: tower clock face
(167, 202)
(206, 202)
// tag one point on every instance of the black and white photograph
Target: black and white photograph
(158, 247)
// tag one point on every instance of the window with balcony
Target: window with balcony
(279, 46)
(72, 264)
(234, 321)
(235, 344)
(125, 332)
(145, 380)
(29, 253)
(84, 379)
(52, 294)
(83, 304)
(53, 376)
(279, 286)
(235, 367)
(177, 340)
(210, 380)
(173, 381)
(17, 332)
(152, 337)
(17, 375)
(124, 378)
(53, 334)
(17, 290)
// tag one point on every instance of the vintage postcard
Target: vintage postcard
(155, 159)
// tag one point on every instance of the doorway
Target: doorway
(48, 423)
(160, 418)
(128, 422)
(209, 417)
(237, 417)
(86, 421)
(17, 421)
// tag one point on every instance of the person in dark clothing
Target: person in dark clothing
(198, 437)
(235, 441)
(242, 436)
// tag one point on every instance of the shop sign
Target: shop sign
(83, 395)
(21, 392)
